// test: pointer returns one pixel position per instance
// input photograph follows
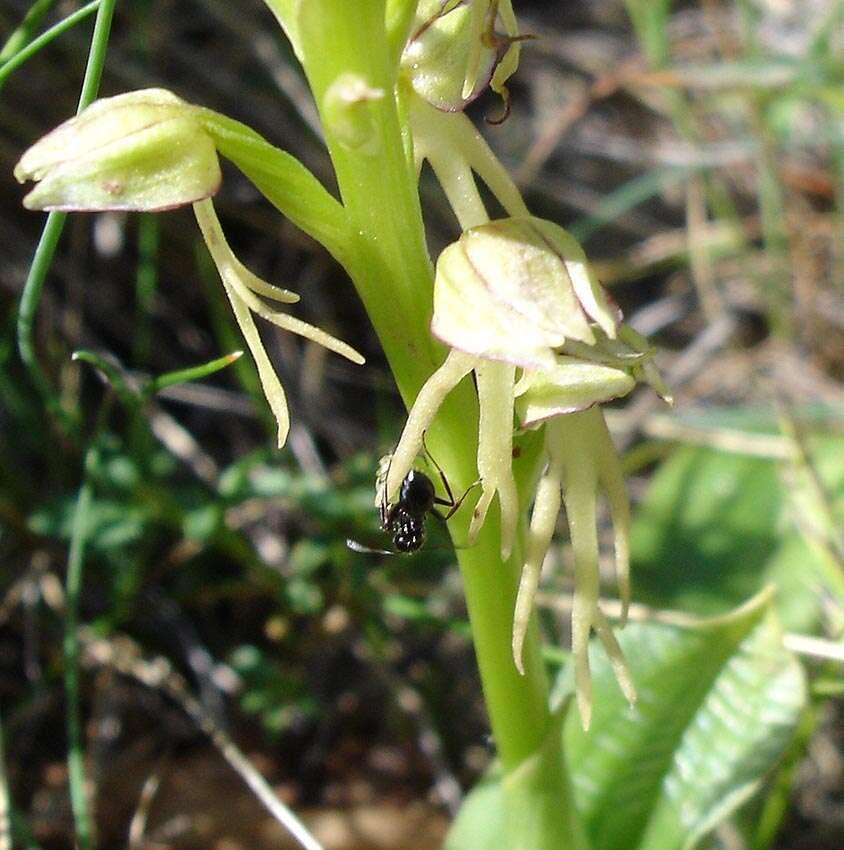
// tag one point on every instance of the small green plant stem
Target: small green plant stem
(23, 33)
(392, 272)
(13, 59)
(73, 589)
(52, 232)
(26, 320)
(30, 299)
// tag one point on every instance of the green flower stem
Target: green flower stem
(19, 37)
(399, 19)
(392, 272)
(30, 299)
(14, 55)
(55, 224)
(73, 589)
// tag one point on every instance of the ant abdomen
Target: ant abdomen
(408, 530)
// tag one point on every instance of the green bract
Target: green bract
(146, 150)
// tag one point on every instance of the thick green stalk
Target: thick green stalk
(393, 275)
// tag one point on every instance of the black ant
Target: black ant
(404, 520)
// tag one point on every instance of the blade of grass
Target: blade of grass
(192, 373)
(24, 52)
(70, 645)
(52, 232)
(628, 195)
(128, 395)
(221, 322)
(31, 21)
(650, 21)
(30, 298)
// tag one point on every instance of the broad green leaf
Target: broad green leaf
(706, 528)
(717, 706)
(716, 527)
(480, 822)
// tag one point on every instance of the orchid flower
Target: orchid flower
(149, 151)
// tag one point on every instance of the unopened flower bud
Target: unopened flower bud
(516, 290)
(455, 52)
(145, 150)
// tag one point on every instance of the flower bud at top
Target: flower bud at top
(145, 150)
(455, 51)
(516, 290)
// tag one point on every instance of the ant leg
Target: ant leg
(452, 506)
(447, 503)
(459, 502)
(450, 501)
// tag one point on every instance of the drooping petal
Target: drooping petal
(611, 477)
(577, 442)
(456, 366)
(241, 287)
(542, 524)
(495, 450)
(579, 494)
(273, 391)
(617, 660)
(296, 326)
